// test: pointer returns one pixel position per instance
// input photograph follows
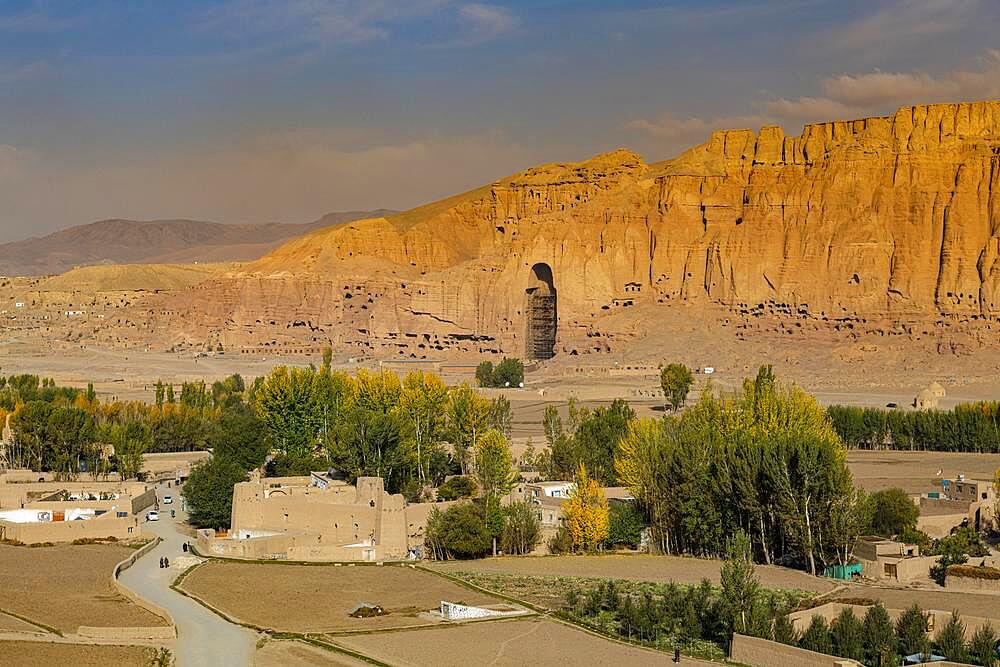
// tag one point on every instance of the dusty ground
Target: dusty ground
(9, 623)
(916, 472)
(300, 654)
(518, 642)
(639, 567)
(307, 598)
(68, 586)
(44, 654)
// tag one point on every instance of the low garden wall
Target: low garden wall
(152, 632)
(124, 528)
(973, 579)
(765, 653)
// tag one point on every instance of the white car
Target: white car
(152, 515)
(168, 500)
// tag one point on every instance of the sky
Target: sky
(264, 111)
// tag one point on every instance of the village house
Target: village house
(961, 501)
(35, 508)
(883, 559)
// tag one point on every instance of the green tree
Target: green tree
(817, 637)
(484, 374)
(240, 437)
(847, 636)
(911, 631)
(892, 512)
(494, 466)
(209, 492)
(879, 639)
(495, 474)
(468, 417)
(508, 373)
(740, 585)
(522, 530)
(460, 486)
(676, 381)
(422, 404)
(286, 402)
(950, 641)
(983, 645)
(784, 631)
(625, 525)
(131, 441)
(458, 532)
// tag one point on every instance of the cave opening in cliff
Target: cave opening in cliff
(540, 313)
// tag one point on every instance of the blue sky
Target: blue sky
(253, 110)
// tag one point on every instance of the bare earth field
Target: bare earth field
(46, 654)
(517, 642)
(638, 567)
(917, 471)
(317, 598)
(67, 586)
(286, 653)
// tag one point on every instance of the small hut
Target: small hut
(936, 389)
(925, 400)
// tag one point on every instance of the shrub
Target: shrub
(561, 542)
(522, 530)
(625, 524)
(461, 486)
(817, 637)
(459, 532)
(508, 373)
(973, 572)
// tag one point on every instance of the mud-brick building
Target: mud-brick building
(319, 518)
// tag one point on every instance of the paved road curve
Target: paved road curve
(203, 638)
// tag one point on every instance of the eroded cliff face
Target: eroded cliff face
(888, 220)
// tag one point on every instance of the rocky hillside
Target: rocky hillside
(153, 241)
(885, 226)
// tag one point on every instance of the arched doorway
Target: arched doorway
(540, 314)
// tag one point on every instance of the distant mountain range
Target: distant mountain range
(156, 242)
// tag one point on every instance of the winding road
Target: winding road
(203, 638)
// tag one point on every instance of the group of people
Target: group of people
(164, 562)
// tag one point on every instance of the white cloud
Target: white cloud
(909, 21)
(842, 97)
(484, 22)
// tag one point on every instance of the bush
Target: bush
(458, 532)
(295, 465)
(522, 530)
(561, 542)
(625, 524)
(508, 373)
(973, 572)
(461, 486)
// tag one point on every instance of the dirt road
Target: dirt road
(203, 638)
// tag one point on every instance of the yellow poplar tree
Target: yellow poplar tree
(587, 513)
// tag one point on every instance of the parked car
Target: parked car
(152, 515)
(168, 500)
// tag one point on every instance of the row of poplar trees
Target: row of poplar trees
(765, 460)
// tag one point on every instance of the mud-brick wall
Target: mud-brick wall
(67, 531)
(764, 653)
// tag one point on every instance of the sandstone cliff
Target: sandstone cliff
(891, 220)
